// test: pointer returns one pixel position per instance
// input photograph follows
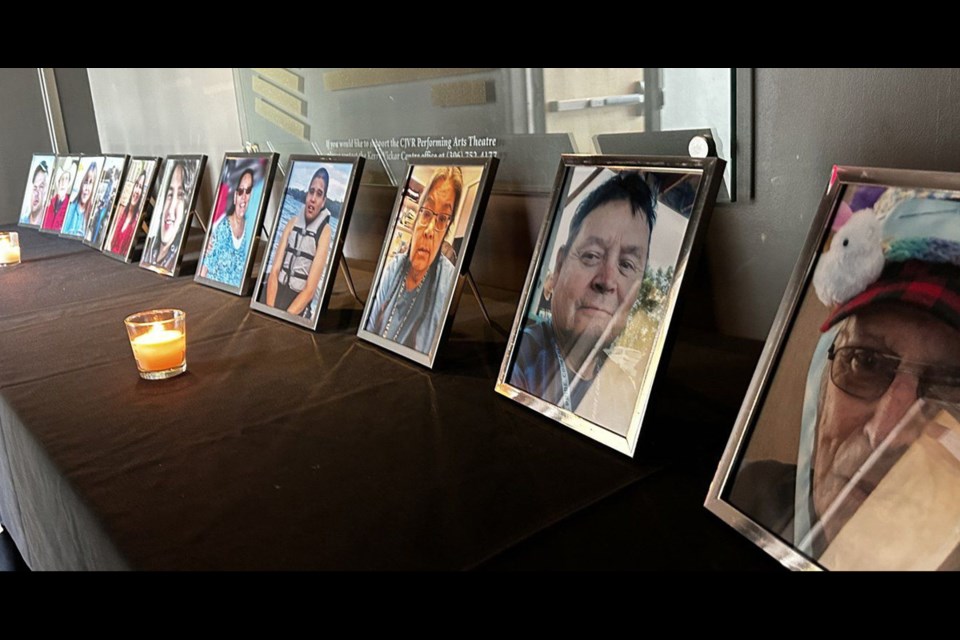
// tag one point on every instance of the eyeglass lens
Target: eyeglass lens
(867, 374)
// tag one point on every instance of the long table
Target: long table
(280, 448)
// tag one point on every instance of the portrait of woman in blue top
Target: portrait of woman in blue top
(225, 255)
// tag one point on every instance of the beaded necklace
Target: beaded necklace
(413, 301)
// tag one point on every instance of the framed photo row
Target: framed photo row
(418, 280)
(846, 451)
(86, 204)
(226, 259)
(595, 312)
(306, 239)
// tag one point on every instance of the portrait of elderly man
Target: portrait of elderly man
(409, 306)
(887, 358)
(591, 289)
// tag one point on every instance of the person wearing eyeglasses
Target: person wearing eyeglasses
(302, 251)
(594, 282)
(409, 304)
(226, 252)
(888, 351)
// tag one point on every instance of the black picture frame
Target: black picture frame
(133, 226)
(292, 194)
(403, 220)
(191, 167)
(263, 163)
(114, 170)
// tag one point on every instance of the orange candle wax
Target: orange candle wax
(159, 349)
(9, 254)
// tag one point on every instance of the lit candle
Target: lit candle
(9, 249)
(159, 342)
(160, 349)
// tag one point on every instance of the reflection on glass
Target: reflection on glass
(524, 116)
(854, 458)
(599, 299)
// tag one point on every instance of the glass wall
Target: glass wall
(524, 116)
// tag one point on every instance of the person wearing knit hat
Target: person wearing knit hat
(889, 346)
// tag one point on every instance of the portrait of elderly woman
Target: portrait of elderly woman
(862, 471)
(599, 302)
(418, 273)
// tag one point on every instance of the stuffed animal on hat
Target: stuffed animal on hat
(854, 261)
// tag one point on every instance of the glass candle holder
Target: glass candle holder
(9, 248)
(159, 342)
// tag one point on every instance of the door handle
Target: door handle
(578, 104)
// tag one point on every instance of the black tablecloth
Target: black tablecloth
(278, 449)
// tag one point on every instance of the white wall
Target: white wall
(24, 132)
(168, 111)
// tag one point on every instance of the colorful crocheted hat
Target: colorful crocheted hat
(920, 247)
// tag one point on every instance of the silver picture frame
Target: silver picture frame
(775, 411)
(701, 180)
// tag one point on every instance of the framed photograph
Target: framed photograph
(306, 241)
(170, 223)
(226, 259)
(133, 203)
(609, 264)
(38, 188)
(846, 451)
(416, 287)
(58, 195)
(105, 200)
(82, 198)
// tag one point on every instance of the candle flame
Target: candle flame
(156, 328)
